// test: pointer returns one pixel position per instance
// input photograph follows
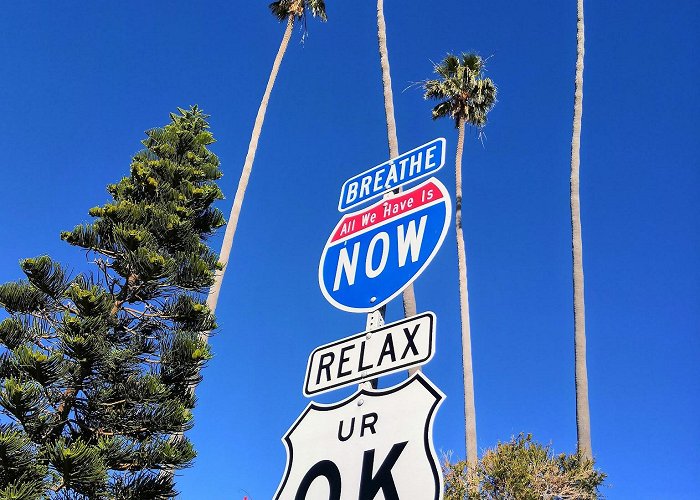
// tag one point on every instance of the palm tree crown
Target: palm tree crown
(465, 95)
(284, 9)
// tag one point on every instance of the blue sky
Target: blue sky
(82, 81)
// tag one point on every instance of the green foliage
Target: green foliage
(143, 486)
(45, 275)
(14, 332)
(22, 297)
(96, 369)
(21, 472)
(523, 470)
(79, 465)
(466, 96)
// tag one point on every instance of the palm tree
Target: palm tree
(583, 418)
(291, 11)
(466, 97)
(409, 297)
(285, 10)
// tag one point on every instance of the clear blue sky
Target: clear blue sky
(81, 81)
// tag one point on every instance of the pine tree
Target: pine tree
(95, 369)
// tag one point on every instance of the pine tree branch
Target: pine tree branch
(104, 266)
(142, 314)
(68, 401)
(125, 293)
(42, 315)
(113, 403)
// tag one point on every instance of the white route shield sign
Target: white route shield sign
(376, 444)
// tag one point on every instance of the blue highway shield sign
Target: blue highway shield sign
(373, 254)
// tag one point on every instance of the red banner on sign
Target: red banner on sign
(389, 208)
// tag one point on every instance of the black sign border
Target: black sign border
(433, 323)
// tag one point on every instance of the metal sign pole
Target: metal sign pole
(411, 225)
(375, 320)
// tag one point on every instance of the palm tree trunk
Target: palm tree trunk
(227, 244)
(386, 82)
(468, 375)
(583, 422)
(409, 297)
(213, 297)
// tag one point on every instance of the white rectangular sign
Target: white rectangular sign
(389, 349)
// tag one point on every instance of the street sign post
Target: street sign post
(366, 447)
(420, 162)
(390, 349)
(373, 254)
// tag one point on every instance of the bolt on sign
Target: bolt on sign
(376, 444)
(373, 254)
(394, 347)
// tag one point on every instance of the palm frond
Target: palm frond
(441, 110)
(283, 9)
(280, 9)
(435, 89)
(473, 62)
(317, 8)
